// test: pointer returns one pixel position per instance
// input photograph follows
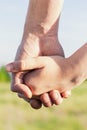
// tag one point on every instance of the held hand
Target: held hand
(33, 48)
(39, 38)
(48, 73)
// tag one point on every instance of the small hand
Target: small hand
(48, 73)
(47, 76)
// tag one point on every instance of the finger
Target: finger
(23, 89)
(23, 96)
(18, 87)
(35, 103)
(55, 97)
(28, 64)
(45, 98)
(66, 94)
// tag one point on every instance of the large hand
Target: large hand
(33, 48)
(39, 37)
(48, 73)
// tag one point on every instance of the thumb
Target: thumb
(28, 64)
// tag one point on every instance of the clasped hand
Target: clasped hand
(43, 74)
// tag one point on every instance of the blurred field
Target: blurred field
(15, 114)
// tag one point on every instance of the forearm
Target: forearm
(43, 17)
(78, 64)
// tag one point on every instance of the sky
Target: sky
(72, 30)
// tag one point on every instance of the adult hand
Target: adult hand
(48, 73)
(39, 38)
(34, 48)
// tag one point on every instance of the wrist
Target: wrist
(77, 75)
(48, 45)
(40, 33)
(40, 30)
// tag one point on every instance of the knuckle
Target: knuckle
(21, 65)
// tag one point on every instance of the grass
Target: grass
(15, 114)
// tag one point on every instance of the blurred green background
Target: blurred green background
(15, 114)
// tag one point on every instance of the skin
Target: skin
(17, 83)
(40, 38)
(55, 72)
